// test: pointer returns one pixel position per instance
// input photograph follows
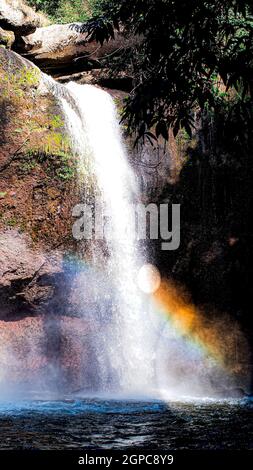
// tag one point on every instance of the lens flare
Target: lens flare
(149, 279)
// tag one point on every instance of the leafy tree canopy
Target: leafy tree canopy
(192, 55)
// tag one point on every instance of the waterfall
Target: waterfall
(125, 346)
(135, 348)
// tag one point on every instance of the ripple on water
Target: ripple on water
(126, 424)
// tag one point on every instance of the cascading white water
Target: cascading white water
(129, 339)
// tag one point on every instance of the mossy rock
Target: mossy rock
(7, 38)
(31, 118)
(37, 167)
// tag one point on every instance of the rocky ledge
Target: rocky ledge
(18, 17)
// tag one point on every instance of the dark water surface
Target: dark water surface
(112, 424)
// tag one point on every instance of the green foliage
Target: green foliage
(61, 166)
(12, 222)
(48, 6)
(70, 11)
(56, 122)
(66, 173)
(15, 84)
(29, 164)
(183, 46)
(67, 11)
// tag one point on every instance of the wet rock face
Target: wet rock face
(29, 278)
(16, 16)
(44, 352)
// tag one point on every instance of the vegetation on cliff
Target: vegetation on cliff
(36, 163)
(66, 11)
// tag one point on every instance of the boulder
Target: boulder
(16, 16)
(7, 38)
(61, 48)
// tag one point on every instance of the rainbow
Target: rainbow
(216, 336)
